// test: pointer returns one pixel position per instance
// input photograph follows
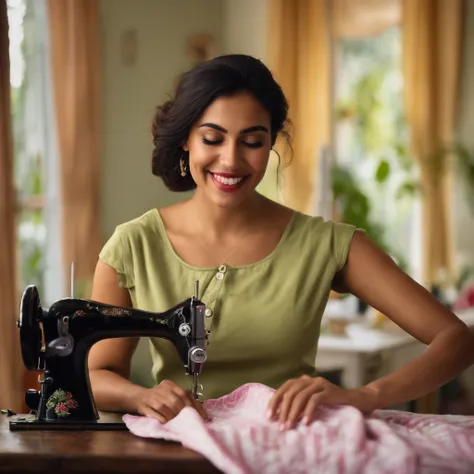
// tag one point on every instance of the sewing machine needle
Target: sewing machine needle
(195, 387)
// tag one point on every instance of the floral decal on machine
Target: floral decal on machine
(62, 402)
(112, 311)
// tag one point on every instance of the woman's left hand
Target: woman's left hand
(299, 399)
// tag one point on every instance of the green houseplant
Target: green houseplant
(355, 208)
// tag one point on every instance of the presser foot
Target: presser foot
(197, 388)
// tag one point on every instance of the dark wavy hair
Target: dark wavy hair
(197, 89)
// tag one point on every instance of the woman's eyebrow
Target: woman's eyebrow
(255, 128)
(214, 126)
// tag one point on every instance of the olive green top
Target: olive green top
(265, 317)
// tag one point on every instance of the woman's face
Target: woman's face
(229, 149)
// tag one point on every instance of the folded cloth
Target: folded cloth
(239, 439)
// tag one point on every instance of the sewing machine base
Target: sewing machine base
(106, 422)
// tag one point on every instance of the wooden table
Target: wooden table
(102, 452)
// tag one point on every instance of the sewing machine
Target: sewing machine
(56, 343)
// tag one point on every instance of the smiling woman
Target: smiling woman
(231, 158)
(221, 87)
(265, 271)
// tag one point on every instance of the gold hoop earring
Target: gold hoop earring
(182, 167)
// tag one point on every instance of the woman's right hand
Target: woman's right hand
(164, 401)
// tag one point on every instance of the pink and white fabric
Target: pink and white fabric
(239, 439)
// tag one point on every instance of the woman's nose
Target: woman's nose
(231, 156)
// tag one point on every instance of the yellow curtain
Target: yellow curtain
(362, 18)
(11, 367)
(299, 57)
(432, 31)
(75, 46)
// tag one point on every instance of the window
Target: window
(35, 162)
(371, 144)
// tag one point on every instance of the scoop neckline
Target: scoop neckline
(263, 260)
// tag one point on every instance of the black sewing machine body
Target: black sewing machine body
(57, 341)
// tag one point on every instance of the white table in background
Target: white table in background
(364, 358)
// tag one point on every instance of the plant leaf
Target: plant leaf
(408, 188)
(383, 171)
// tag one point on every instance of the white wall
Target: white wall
(245, 27)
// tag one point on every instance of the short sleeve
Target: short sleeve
(341, 243)
(115, 254)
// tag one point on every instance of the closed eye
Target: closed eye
(253, 145)
(211, 142)
(218, 142)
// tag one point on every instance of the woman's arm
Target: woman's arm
(109, 360)
(371, 275)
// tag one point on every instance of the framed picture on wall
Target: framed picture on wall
(200, 48)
